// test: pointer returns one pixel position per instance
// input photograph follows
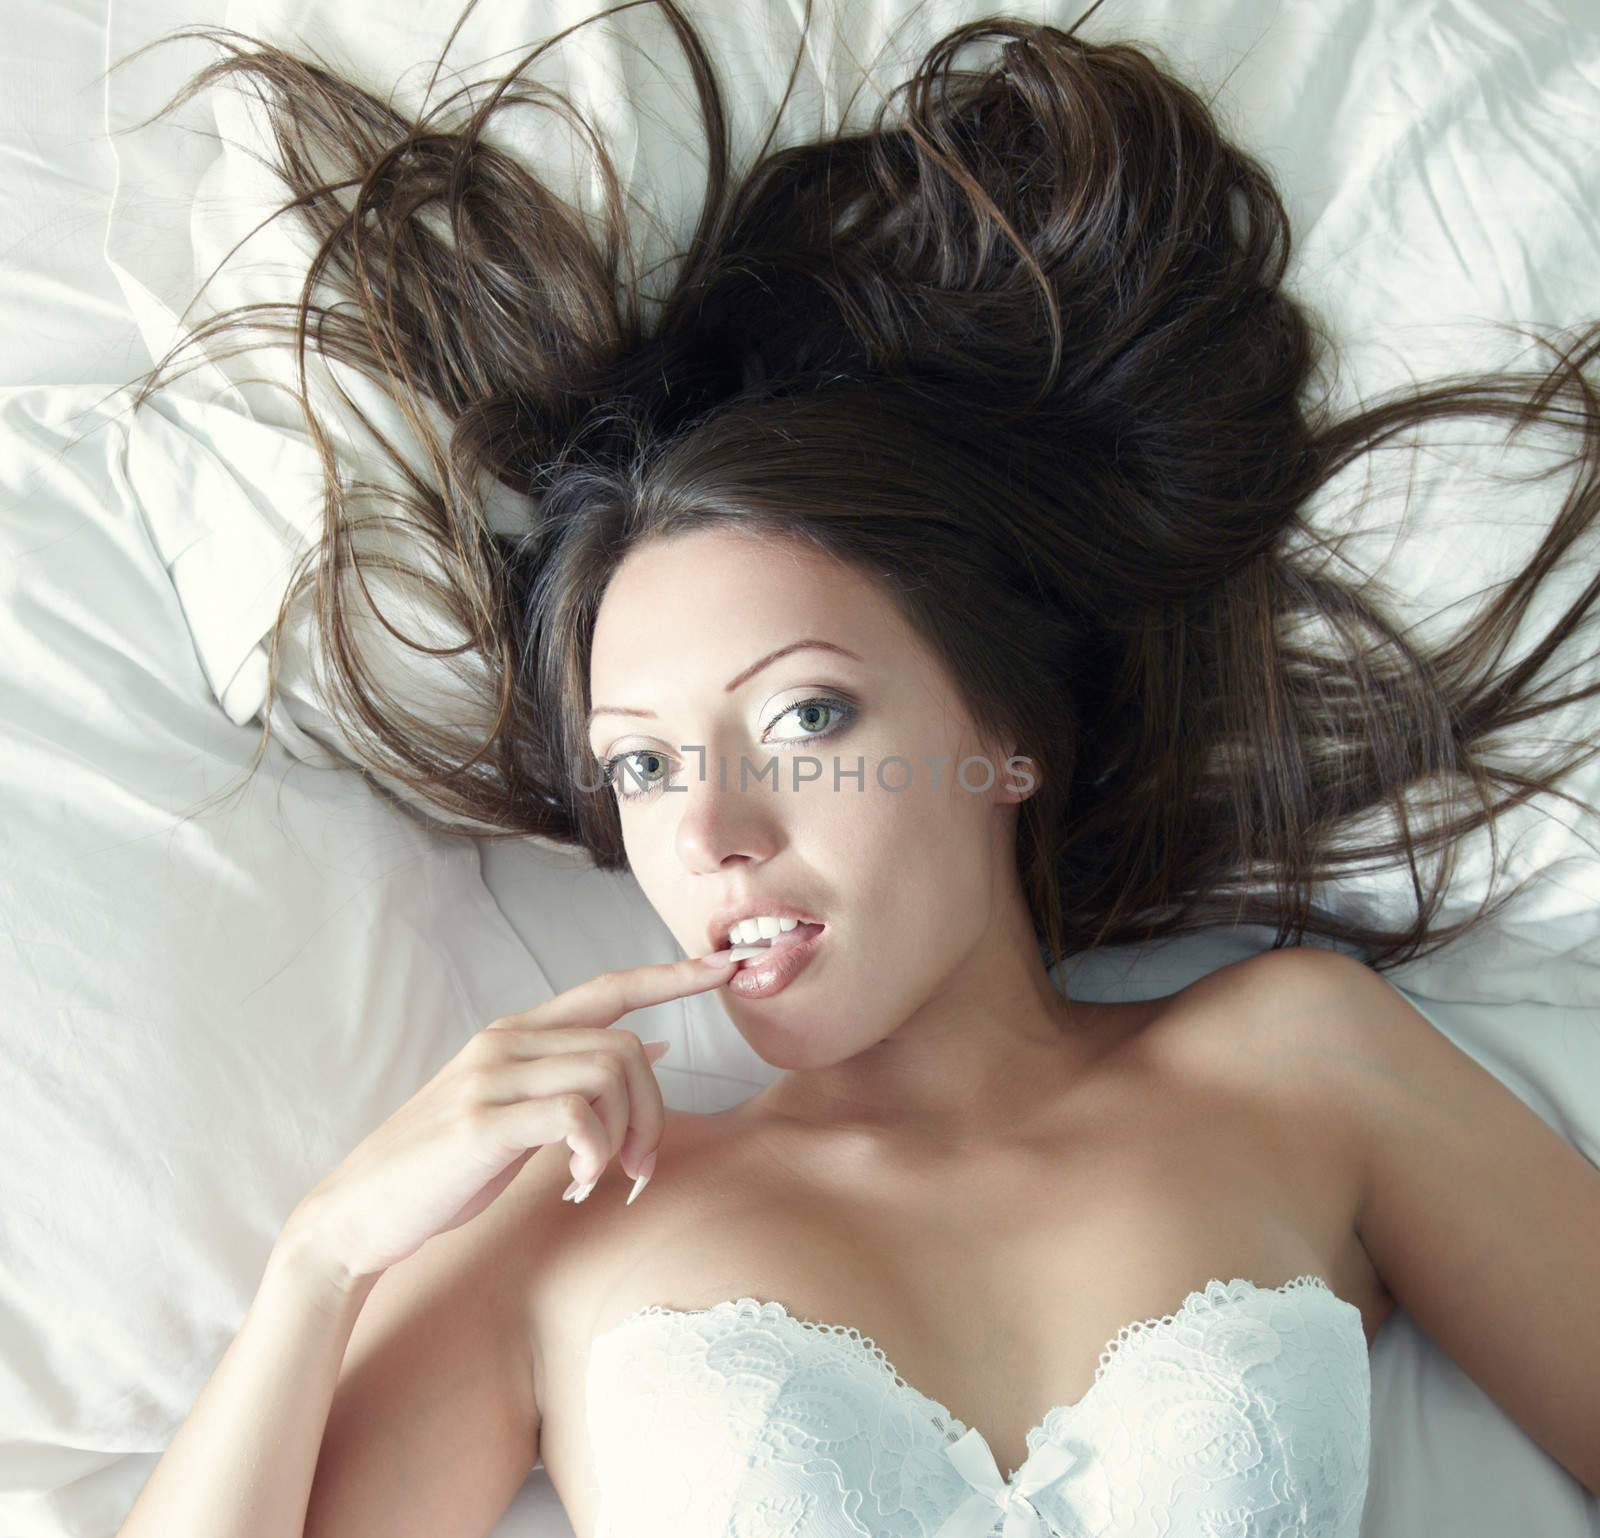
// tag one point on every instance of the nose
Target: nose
(719, 821)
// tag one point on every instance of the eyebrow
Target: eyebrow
(733, 683)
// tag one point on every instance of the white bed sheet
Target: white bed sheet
(181, 997)
(62, 311)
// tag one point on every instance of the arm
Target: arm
(1482, 1221)
(406, 1414)
(241, 1465)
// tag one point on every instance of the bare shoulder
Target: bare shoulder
(1271, 1045)
(1471, 1210)
(1274, 1022)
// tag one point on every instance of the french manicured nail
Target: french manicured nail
(579, 1189)
(718, 958)
(647, 1167)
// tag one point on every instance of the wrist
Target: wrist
(301, 1253)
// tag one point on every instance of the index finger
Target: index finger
(607, 997)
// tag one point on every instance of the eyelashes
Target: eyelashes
(837, 706)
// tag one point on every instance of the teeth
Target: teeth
(748, 931)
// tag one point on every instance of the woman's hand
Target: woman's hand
(556, 1073)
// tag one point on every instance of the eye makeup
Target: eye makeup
(839, 707)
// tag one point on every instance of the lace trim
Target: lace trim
(1213, 1293)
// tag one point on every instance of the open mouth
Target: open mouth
(777, 942)
(762, 971)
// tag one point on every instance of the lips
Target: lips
(771, 969)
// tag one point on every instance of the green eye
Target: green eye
(637, 774)
(642, 776)
(811, 705)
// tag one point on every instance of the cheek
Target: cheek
(894, 839)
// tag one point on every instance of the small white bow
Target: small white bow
(974, 1517)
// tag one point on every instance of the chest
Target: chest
(991, 1283)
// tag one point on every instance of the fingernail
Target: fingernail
(647, 1167)
(718, 958)
(579, 1192)
(656, 1050)
(567, 1194)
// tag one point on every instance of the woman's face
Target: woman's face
(914, 877)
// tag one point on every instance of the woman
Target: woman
(1000, 410)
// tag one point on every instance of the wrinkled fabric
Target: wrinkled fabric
(1246, 1414)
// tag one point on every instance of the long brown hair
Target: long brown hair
(1021, 352)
